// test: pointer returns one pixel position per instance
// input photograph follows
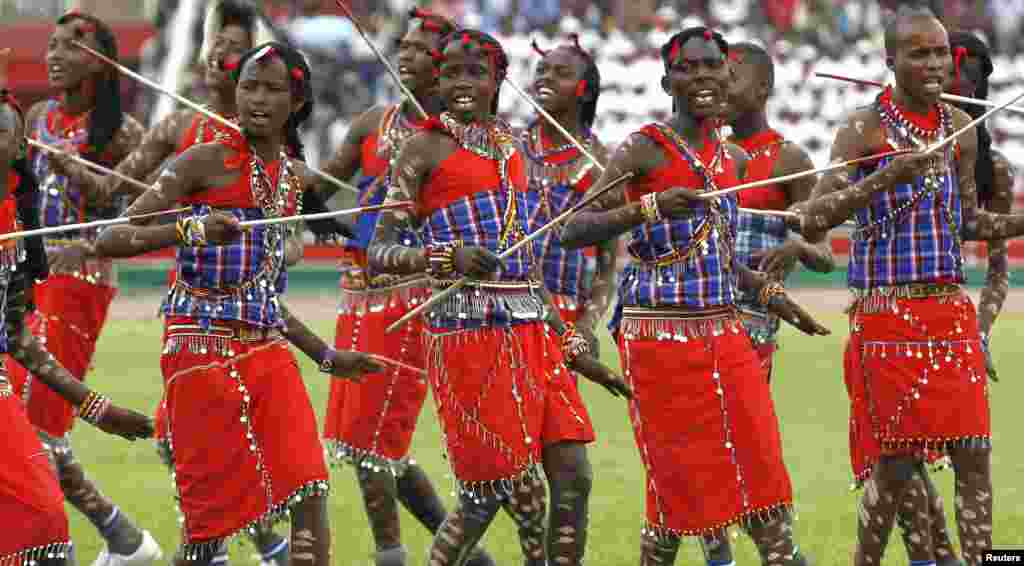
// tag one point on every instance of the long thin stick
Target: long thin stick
(783, 213)
(801, 174)
(397, 363)
(441, 295)
(945, 96)
(540, 110)
(87, 225)
(320, 215)
(971, 124)
(94, 166)
(387, 64)
(198, 108)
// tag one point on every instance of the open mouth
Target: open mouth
(259, 118)
(705, 97)
(932, 86)
(464, 101)
(405, 72)
(56, 71)
(545, 92)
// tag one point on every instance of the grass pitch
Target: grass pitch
(811, 403)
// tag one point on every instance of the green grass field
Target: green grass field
(811, 402)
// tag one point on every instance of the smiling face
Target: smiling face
(467, 82)
(228, 45)
(68, 66)
(264, 96)
(921, 61)
(698, 78)
(556, 79)
(415, 64)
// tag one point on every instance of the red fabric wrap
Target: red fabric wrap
(566, 418)
(462, 174)
(69, 315)
(224, 484)
(676, 170)
(764, 148)
(711, 460)
(31, 501)
(372, 164)
(377, 418)
(490, 387)
(903, 404)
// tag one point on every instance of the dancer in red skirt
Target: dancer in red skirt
(231, 28)
(702, 413)
(226, 365)
(31, 502)
(915, 367)
(371, 424)
(490, 358)
(72, 303)
(567, 84)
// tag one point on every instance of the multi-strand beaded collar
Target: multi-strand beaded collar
(904, 133)
(543, 175)
(395, 128)
(494, 141)
(714, 220)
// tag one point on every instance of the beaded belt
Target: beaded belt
(490, 285)
(382, 282)
(910, 291)
(242, 333)
(679, 313)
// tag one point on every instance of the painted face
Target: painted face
(230, 43)
(264, 96)
(698, 77)
(556, 79)
(922, 61)
(467, 81)
(971, 71)
(68, 66)
(11, 132)
(746, 90)
(415, 64)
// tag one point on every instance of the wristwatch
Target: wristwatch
(327, 361)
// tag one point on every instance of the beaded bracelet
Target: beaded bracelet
(649, 207)
(573, 343)
(93, 408)
(191, 231)
(770, 291)
(441, 260)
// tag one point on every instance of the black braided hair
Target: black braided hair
(491, 46)
(591, 76)
(670, 50)
(984, 171)
(301, 80)
(432, 22)
(106, 118)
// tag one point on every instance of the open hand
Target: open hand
(126, 423)
(475, 261)
(596, 372)
(779, 260)
(354, 365)
(794, 314)
(909, 166)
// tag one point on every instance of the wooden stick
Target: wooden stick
(198, 108)
(971, 124)
(87, 225)
(94, 166)
(387, 64)
(807, 173)
(540, 110)
(320, 215)
(397, 363)
(945, 96)
(441, 295)
(783, 213)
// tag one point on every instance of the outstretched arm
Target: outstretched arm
(816, 256)
(997, 278)
(346, 364)
(772, 295)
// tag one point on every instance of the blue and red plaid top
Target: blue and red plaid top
(558, 180)
(242, 280)
(909, 234)
(60, 200)
(683, 262)
(469, 201)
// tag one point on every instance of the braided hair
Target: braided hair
(301, 83)
(223, 13)
(107, 117)
(485, 43)
(589, 88)
(36, 266)
(432, 22)
(670, 50)
(966, 44)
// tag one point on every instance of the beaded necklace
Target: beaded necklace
(903, 133)
(543, 175)
(494, 141)
(714, 220)
(218, 132)
(395, 128)
(274, 202)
